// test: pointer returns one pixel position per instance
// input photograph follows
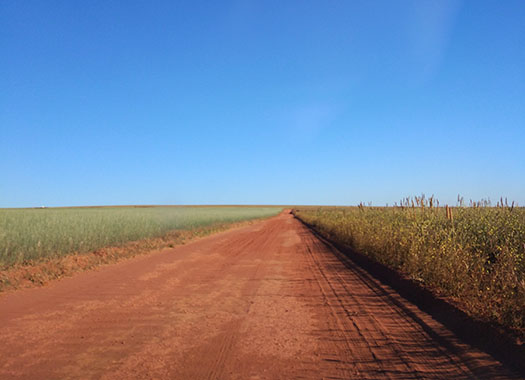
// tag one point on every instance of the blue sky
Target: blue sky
(260, 102)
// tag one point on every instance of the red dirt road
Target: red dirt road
(267, 301)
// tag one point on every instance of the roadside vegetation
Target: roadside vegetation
(474, 254)
(33, 235)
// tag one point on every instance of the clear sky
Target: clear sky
(260, 102)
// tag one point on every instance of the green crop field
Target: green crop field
(36, 234)
(474, 254)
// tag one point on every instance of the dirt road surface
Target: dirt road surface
(267, 301)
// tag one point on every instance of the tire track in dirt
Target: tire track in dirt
(375, 339)
(267, 301)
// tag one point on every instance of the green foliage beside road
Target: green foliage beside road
(474, 254)
(36, 234)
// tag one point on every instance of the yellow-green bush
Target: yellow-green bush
(476, 254)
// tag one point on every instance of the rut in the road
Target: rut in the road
(268, 301)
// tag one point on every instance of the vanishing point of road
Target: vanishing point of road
(266, 301)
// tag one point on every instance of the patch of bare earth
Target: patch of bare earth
(267, 301)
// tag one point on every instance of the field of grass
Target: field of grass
(474, 254)
(30, 235)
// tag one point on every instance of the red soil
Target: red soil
(267, 301)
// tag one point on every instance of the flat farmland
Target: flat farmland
(46, 244)
(28, 235)
(270, 300)
(475, 255)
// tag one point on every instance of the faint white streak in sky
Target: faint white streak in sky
(307, 122)
(430, 30)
